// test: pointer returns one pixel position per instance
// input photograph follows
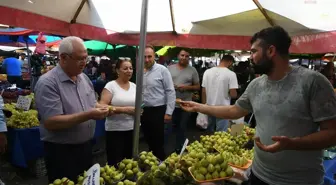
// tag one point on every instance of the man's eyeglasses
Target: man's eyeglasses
(77, 59)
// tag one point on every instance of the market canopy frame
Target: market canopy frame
(213, 24)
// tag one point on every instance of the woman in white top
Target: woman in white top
(120, 94)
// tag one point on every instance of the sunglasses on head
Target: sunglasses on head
(124, 58)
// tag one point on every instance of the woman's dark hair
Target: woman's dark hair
(120, 61)
(275, 36)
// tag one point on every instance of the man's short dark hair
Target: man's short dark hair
(186, 50)
(275, 36)
(228, 58)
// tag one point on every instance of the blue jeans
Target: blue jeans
(217, 124)
(180, 120)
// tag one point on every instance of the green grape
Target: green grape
(20, 118)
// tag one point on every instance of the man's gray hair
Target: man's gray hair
(66, 45)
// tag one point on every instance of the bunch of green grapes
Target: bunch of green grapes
(10, 107)
(20, 118)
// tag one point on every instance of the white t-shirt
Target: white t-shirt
(120, 98)
(217, 82)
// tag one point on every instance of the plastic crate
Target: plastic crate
(330, 171)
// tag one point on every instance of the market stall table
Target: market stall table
(25, 144)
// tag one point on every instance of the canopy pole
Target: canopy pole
(139, 77)
(262, 10)
(172, 17)
(79, 9)
(29, 67)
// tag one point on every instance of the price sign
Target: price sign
(93, 175)
(237, 129)
(23, 102)
(184, 146)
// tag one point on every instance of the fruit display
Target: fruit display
(186, 161)
(14, 93)
(147, 160)
(21, 119)
(63, 181)
(213, 158)
(224, 141)
(234, 159)
(126, 182)
(248, 154)
(211, 167)
(249, 131)
(208, 141)
(110, 175)
(197, 147)
(130, 168)
(166, 172)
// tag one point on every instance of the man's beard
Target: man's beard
(183, 63)
(148, 64)
(264, 66)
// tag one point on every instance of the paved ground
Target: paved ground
(16, 176)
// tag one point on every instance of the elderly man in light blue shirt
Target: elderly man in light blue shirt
(159, 100)
(67, 109)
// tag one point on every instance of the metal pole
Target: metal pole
(29, 66)
(139, 77)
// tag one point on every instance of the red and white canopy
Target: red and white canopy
(214, 24)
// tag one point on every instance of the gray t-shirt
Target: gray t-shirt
(291, 107)
(186, 76)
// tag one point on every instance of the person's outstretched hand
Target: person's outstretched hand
(190, 106)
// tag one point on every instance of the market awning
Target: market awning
(15, 40)
(213, 24)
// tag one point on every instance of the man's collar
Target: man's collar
(63, 76)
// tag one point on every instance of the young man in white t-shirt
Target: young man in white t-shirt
(219, 85)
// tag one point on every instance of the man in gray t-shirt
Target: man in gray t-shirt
(295, 111)
(186, 81)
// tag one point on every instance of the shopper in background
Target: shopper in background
(186, 81)
(219, 85)
(106, 73)
(295, 109)
(67, 110)
(159, 102)
(12, 66)
(120, 94)
(329, 72)
(36, 65)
